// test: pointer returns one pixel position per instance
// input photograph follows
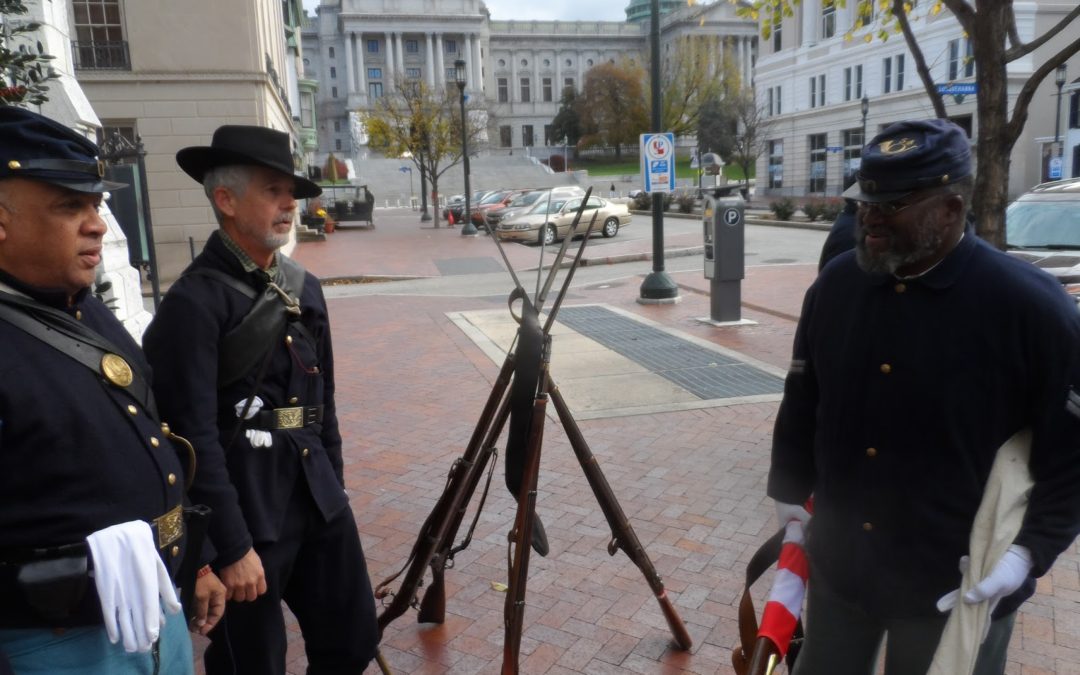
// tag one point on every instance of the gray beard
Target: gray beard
(928, 236)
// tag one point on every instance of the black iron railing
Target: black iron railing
(101, 55)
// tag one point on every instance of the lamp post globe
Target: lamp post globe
(468, 229)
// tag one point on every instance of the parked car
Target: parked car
(493, 200)
(550, 220)
(457, 208)
(523, 202)
(1043, 227)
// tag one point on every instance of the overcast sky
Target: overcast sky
(501, 10)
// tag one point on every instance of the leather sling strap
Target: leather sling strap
(73, 339)
(764, 558)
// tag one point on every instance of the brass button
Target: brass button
(886, 368)
(293, 399)
(175, 551)
(165, 428)
(867, 526)
(172, 479)
(133, 410)
(871, 452)
(154, 441)
(900, 288)
(315, 370)
(288, 339)
(78, 314)
(305, 452)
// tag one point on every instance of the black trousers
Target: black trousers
(318, 569)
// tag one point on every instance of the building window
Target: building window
(853, 142)
(776, 164)
(817, 143)
(307, 111)
(504, 90)
(373, 46)
(374, 90)
(333, 92)
(773, 95)
(969, 59)
(412, 73)
(526, 96)
(374, 73)
(333, 72)
(546, 89)
(99, 36)
(548, 140)
(899, 72)
(126, 130)
(412, 47)
(524, 63)
(527, 135)
(568, 83)
(853, 83)
(450, 46)
(337, 125)
(777, 37)
(337, 143)
(954, 59)
(505, 137)
(589, 63)
(886, 75)
(828, 19)
(817, 91)
(330, 52)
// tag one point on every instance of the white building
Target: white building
(810, 80)
(356, 48)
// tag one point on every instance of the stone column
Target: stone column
(361, 67)
(388, 76)
(513, 95)
(466, 53)
(399, 57)
(537, 84)
(557, 93)
(579, 83)
(440, 65)
(350, 74)
(430, 62)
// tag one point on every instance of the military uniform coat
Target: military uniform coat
(248, 488)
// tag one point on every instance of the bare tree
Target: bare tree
(753, 128)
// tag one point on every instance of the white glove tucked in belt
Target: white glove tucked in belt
(257, 437)
(132, 584)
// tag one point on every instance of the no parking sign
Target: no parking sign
(658, 162)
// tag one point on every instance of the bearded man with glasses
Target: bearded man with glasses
(931, 373)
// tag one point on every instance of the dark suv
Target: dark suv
(1043, 227)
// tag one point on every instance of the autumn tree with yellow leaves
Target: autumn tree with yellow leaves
(991, 27)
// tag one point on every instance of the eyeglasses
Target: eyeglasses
(894, 207)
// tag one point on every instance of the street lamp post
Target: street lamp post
(1059, 80)
(865, 109)
(468, 229)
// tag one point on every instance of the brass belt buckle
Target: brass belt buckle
(170, 527)
(289, 418)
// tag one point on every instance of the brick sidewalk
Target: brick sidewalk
(410, 388)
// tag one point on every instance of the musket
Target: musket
(622, 535)
(520, 537)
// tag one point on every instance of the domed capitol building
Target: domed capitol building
(358, 49)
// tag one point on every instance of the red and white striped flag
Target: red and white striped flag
(784, 606)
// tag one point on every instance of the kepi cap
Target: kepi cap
(234, 144)
(38, 148)
(910, 156)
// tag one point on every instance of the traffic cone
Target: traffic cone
(450, 218)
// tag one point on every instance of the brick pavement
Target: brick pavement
(410, 388)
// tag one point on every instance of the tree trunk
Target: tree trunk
(993, 144)
(435, 199)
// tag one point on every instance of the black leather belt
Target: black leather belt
(286, 418)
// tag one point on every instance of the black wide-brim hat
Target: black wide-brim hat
(911, 156)
(234, 144)
(35, 147)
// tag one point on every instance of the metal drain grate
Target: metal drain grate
(705, 373)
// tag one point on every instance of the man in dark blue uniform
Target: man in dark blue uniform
(241, 348)
(917, 356)
(91, 485)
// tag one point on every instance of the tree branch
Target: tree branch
(920, 61)
(964, 13)
(1023, 49)
(1027, 92)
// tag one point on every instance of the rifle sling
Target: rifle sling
(764, 558)
(74, 340)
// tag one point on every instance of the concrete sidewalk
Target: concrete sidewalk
(411, 384)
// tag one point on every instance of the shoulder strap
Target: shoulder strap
(742, 656)
(74, 340)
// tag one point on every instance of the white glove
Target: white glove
(257, 437)
(256, 406)
(785, 513)
(132, 584)
(1008, 575)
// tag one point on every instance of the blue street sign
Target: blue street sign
(958, 88)
(658, 162)
(1055, 168)
(834, 148)
(405, 169)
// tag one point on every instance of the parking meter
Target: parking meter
(723, 223)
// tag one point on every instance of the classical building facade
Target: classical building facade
(358, 49)
(170, 73)
(811, 82)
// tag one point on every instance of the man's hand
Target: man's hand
(785, 513)
(209, 603)
(1008, 575)
(244, 579)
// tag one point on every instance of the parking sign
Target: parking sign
(658, 162)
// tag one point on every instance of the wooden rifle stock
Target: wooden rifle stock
(521, 538)
(623, 536)
(437, 533)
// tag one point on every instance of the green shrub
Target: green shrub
(685, 201)
(831, 208)
(642, 202)
(813, 209)
(783, 209)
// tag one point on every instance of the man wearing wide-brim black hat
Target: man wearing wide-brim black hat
(241, 346)
(91, 487)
